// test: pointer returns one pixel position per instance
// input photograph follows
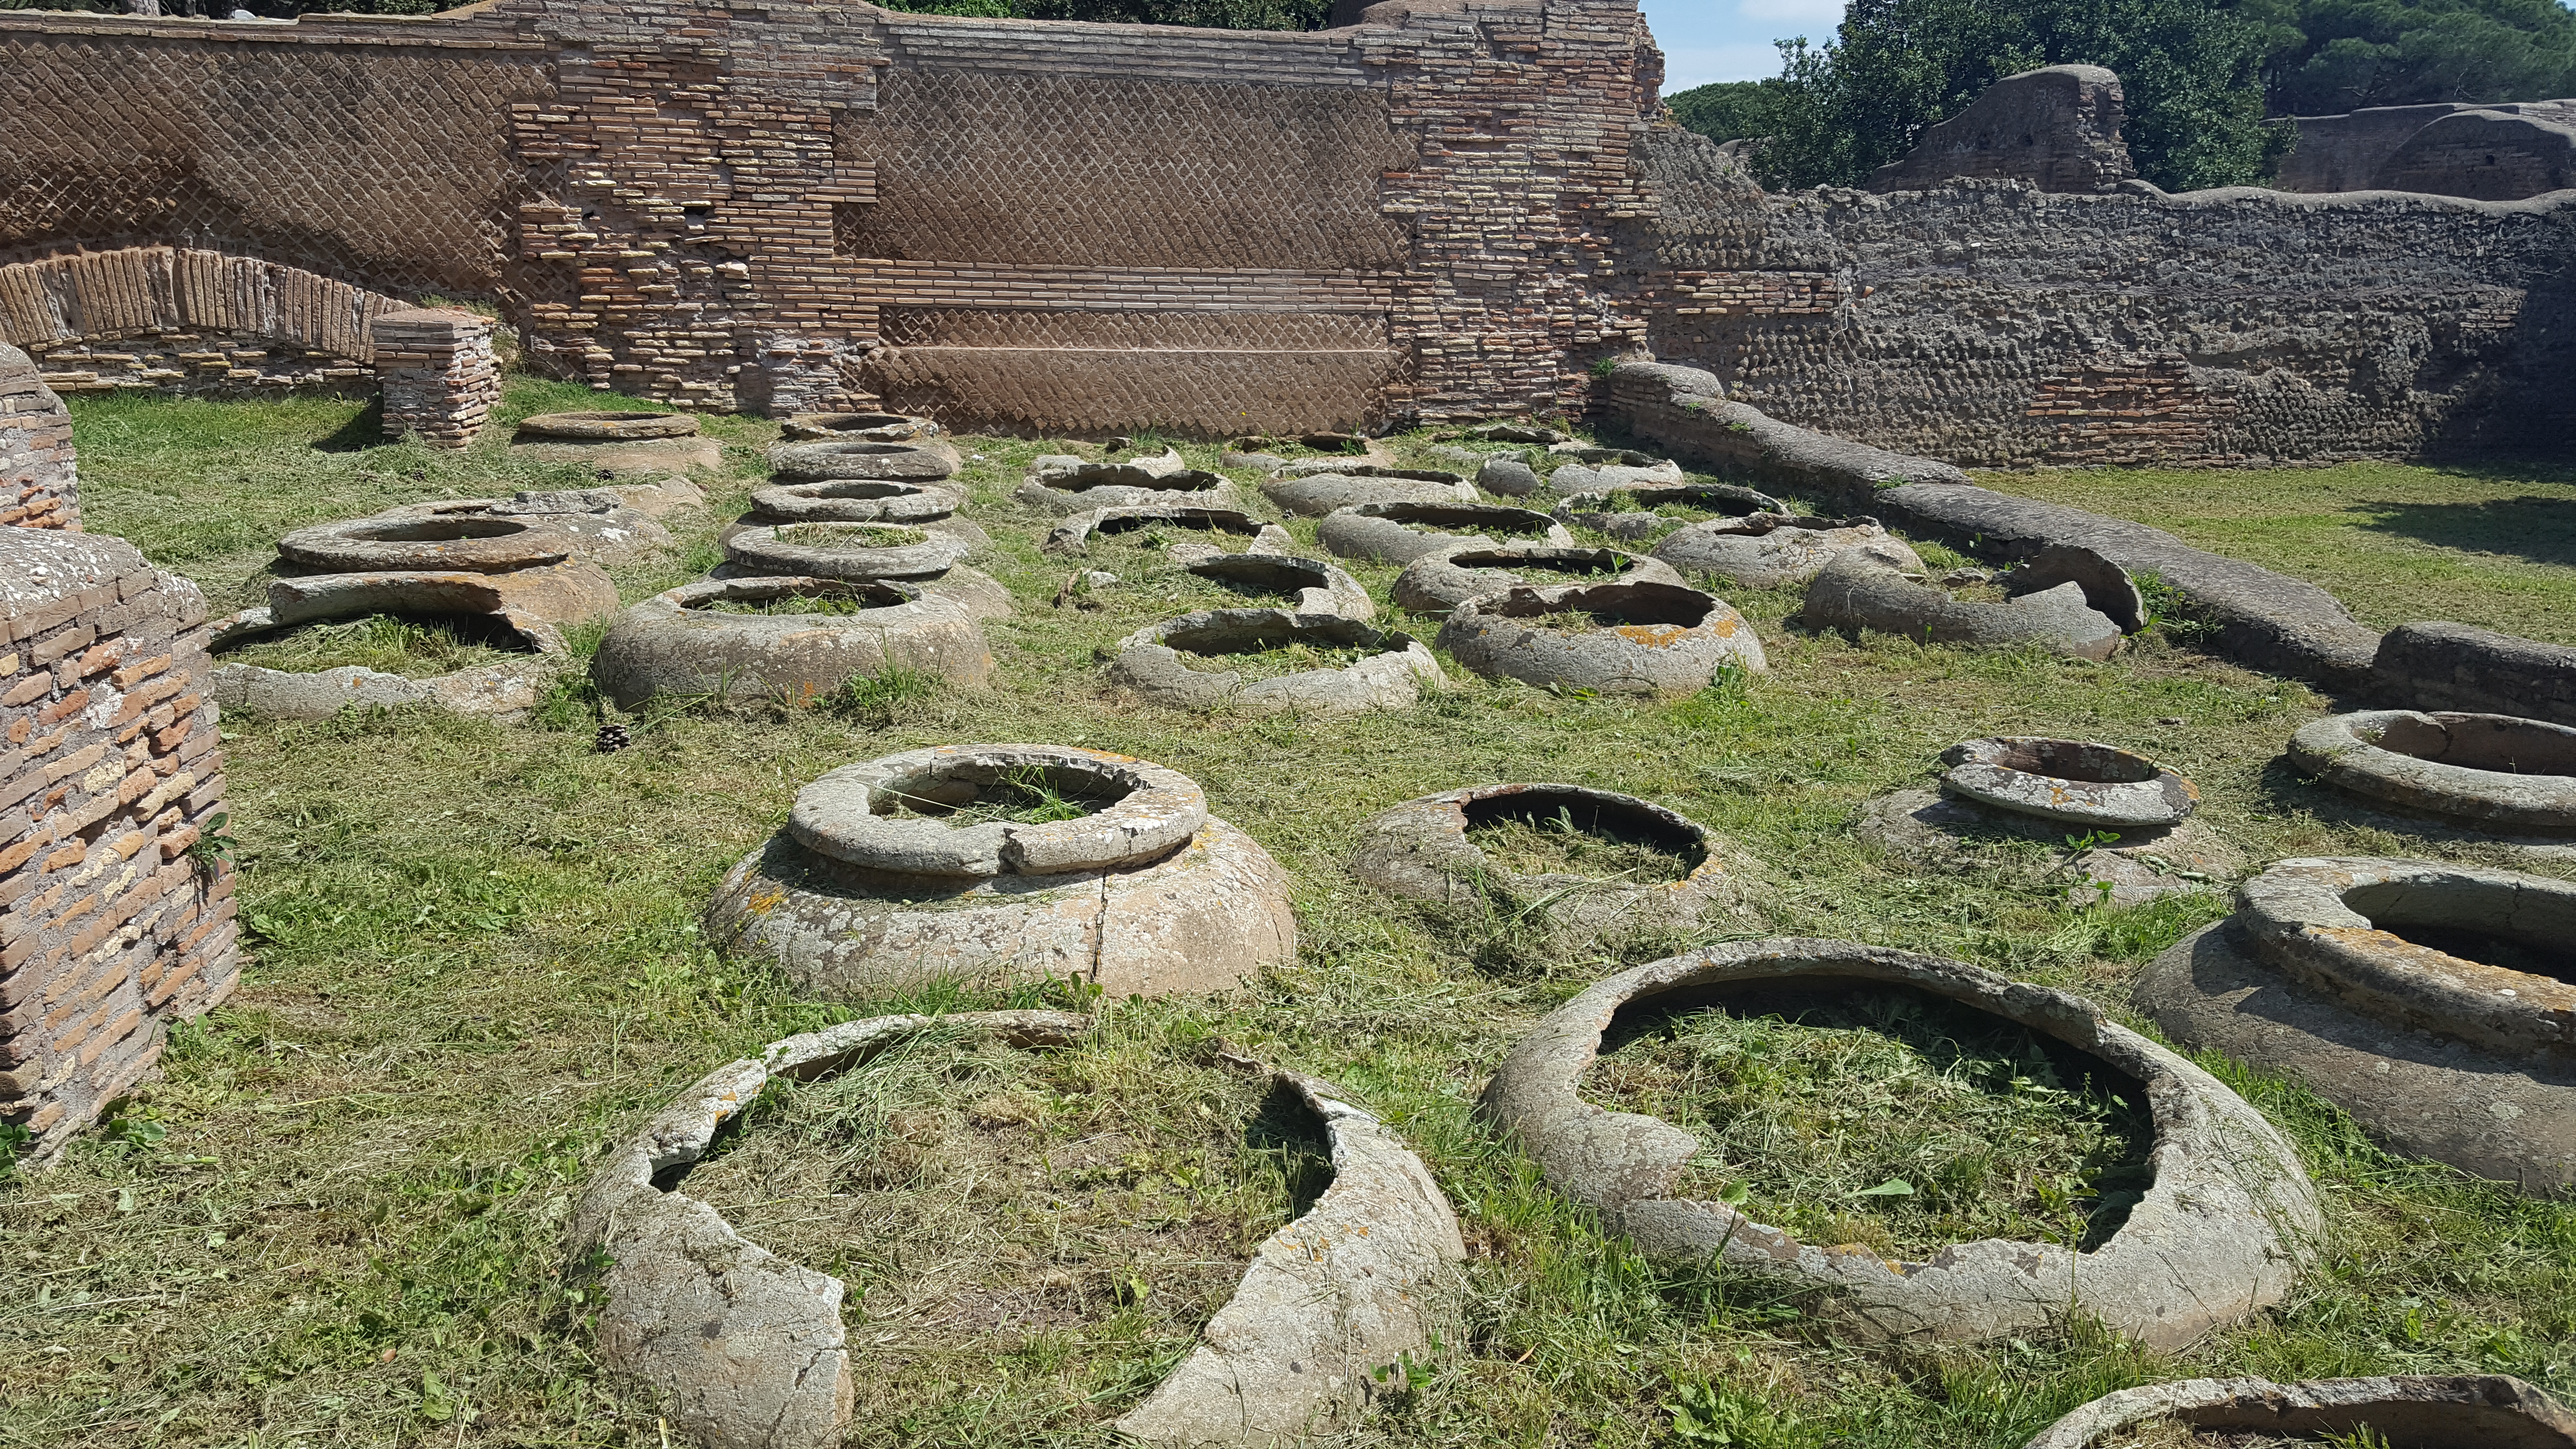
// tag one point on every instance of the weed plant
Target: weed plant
(833, 605)
(473, 959)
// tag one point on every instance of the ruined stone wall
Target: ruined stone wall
(1988, 324)
(109, 772)
(1015, 224)
(185, 319)
(2346, 152)
(39, 480)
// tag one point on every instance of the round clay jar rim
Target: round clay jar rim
(2295, 918)
(1977, 771)
(1450, 809)
(815, 462)
(1075, 532)
(1364, 635)
(815, 502)
(1444, 579)
(2229, 1203)
(497, 545)
(1485, 515)
(1557, 599)
(834, 427)
(2261, 1405)
(608, 426)
(835, 816)
(2345, 749)
(1598, 500)
(760, 547)
(879, 594)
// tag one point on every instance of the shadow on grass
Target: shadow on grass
(362, 431)
(2537, 528)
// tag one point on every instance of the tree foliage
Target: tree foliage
(2192, 72)
(1732, 110)
(2340, 55)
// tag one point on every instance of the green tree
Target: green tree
(1731, 110)
(2191, 70)
(2339, 55)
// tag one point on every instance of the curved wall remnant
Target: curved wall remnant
(187, 319)
(2349, 152)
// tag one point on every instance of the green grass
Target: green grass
(1889, 1122)
(474, 960)
(1279, 660)
(415, 649)
(843, 537)
(1555, 845)
(1046, 1229)
(2489, 545)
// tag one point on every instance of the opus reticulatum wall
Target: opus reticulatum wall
(1436, 209)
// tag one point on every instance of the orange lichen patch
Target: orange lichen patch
(1725, 627)
(1653, 636)
(767, 901)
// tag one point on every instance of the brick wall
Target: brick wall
(1454, 209)
(185, 319)
(109, 929)
(440, 378)
(39, 481)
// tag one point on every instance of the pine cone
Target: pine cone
(612, 738)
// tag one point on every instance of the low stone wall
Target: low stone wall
(440, 377)
(39, 485)
(198, 363)
(1683, 411)
(109, 928)
(2447, 666)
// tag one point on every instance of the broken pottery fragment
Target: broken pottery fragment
(918, 461)
(746, 1348)
(1422, 849)
(1860, 591)
(1627, 514)
(871, 889)
(1314, 586)
(1402, 532)
(1361, 1280)
(1392, 677)
(1619, 638)
(1315, 494)
(1441, 580)
(2223, 1231)
(2435, 1003)
(1766, 550)
(1074, 534)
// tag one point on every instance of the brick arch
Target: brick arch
(90, 295)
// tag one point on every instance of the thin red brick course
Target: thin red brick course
(99, 952)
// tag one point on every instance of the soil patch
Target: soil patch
(1066, 1220)
(1887, 1119)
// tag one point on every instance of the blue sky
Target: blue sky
(1719, 40)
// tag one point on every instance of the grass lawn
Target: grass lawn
(473, 960)
(2490, 545)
